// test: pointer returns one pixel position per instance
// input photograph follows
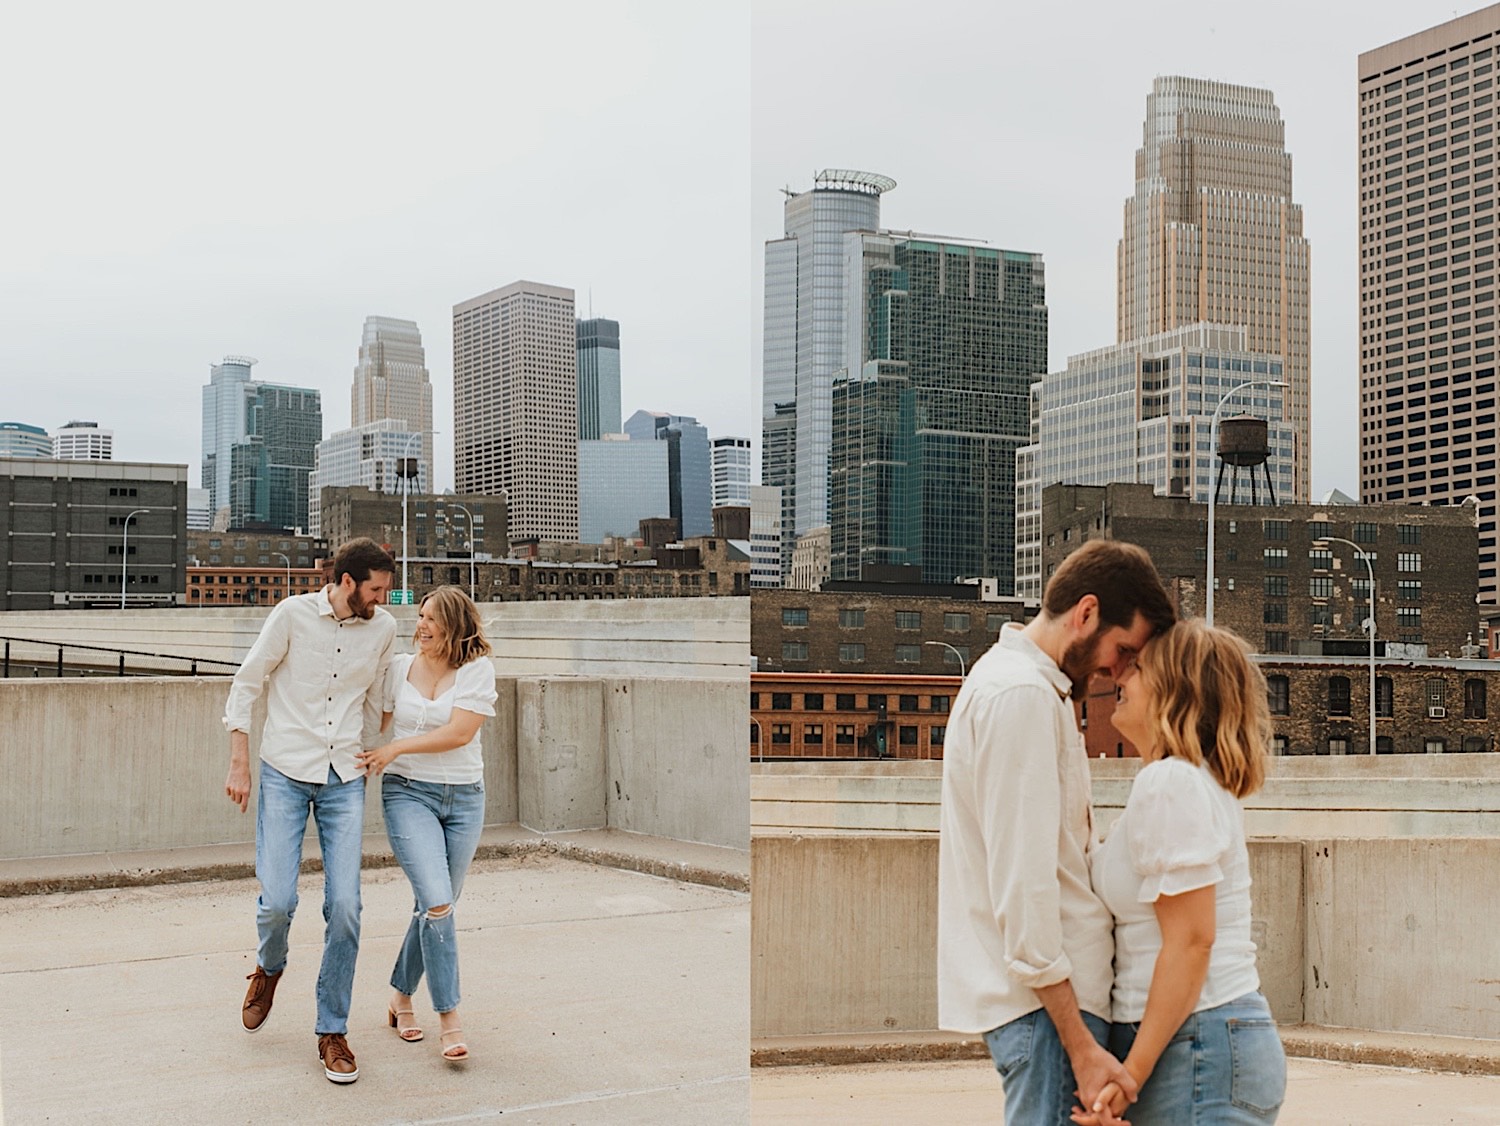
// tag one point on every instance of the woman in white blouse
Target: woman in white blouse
(1189, 1021)
(433, 796)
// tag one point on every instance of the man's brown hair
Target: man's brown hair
(1120, 575)
(358, 558)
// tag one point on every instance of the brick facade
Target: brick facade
(810, 715)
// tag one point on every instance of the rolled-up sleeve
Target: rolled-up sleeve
(269, 650)
(1019, 798)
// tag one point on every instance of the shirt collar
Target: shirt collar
(1013, 637)
(324, 604)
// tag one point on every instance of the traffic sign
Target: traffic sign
(402, 598)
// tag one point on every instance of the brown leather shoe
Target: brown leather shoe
(258, 998)
(338, 1060)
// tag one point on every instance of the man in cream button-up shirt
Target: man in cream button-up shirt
(320, 659)
(1025, 947)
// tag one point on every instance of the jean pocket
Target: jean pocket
(1011, 1044)
(1258, 1066)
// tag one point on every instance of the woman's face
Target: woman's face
(1136, 709)
(429, 635)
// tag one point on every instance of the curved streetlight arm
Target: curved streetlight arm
(125, 550)
(469, 516)
(1213, 441)
(1369, 622)
(962, 670)
(288, 562)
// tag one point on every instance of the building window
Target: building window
(1276, 586)
(1338, 695)
(1320, 614)
(908, 619)
(812, 701)
(1409, 533)
(955, 655)
(1338, 746)
(908, 736)
(1275, 558)
(1278, 744)
(1474, 702)
(794, 617)
(1475, 745)
(754, 734)
(1275, 529)
(1385, 697)
(1409, 617)
(794, 650)
(843, 701)
(1274, 613)
(1278, 694)
(1437, 698)
(853, 653)
(427, 575)
(843, 734)
(937, 735)
(1366, 533)
(1385, 745)
(852, 619)
(812, 735)
(1436, 746)
(993, 623)
(781, 734)
(781, 701)
(875, 702)
(1409, 561)
(1320, 559)
(908, 654)
(1408, 590)
(1276, 642)
(956, 623)
(940, 703)
(1317, 529)
(1320, 586)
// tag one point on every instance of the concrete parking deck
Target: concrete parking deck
(1318, 1093)
(591, 994)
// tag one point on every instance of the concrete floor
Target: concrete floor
(1319, 1093)
(590, 995)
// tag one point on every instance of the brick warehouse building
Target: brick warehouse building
(1280, 585)
(812, 715)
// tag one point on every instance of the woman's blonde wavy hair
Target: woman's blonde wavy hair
(463, 635)
(1210, 703)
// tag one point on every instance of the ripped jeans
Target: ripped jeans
(434, 831)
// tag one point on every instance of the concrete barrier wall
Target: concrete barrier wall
(1372, 934)
(1305, 798)
(657, 637)
(124, 765)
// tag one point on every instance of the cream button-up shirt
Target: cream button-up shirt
(1015, 909)
(324, 681)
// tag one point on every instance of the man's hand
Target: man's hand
(237, 785)
(376, 759)
(1102, 1081)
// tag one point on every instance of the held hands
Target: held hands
(1112, 1085)
(376, 759)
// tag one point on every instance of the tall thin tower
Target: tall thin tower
(390, 381)
(598, 378)
(1427, 271)
(1211, 234)
(515, 405)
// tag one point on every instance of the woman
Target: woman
(1190, 1023)
(433, 796)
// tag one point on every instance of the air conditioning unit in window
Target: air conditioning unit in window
(1435, 712)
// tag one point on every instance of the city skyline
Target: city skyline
(1051, 176)
(270, 233)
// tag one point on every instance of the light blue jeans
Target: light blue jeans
(434, 831)
(1035, 1070)
(338, 809)
(1224, 1065)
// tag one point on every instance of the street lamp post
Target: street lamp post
(1369, 624)
(961, 670)
(405, 493)
(469, 516)
(125, 551)
(288, 571)
(1213, 437)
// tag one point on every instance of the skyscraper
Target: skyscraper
(515, 405)
(83, 441)
(390, 381)
(1212, 235)
(804, 328)
(259, 441)
(598, 378)
(1427, 273)
(689, 466)
(368, 455)
(21, 439)
(943, 340)
(731, 471)
(620, 483)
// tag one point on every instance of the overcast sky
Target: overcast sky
(1018, 124)
(184, 181)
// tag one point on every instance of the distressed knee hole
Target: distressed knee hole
(440, 912)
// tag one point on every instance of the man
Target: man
(1025, 948)
(322, 659)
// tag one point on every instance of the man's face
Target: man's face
(1110, 650)
(365, 596)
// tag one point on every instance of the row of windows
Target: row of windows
(905, 619)
(853, 653)
(811, 735)
(1475, 705)
(847, 701)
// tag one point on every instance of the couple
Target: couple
(1121, 973)
(332, 685)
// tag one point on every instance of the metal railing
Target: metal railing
(10, 662)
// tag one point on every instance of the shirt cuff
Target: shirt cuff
(1033, 977)
(236, 723)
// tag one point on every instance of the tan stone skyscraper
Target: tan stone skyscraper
(1212, 234)
(1427, 262)
(390, 381)
(515, 405)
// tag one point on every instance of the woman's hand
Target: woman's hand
(1110, 1104)
(376, 759)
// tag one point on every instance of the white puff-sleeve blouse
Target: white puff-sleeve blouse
(1181, 830)
(473, 690)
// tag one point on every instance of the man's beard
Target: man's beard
(1080, 660)
(359, 607)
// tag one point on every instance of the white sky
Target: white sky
(187, 180)
(1018, 124)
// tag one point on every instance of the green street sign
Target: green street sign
(402, 598)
